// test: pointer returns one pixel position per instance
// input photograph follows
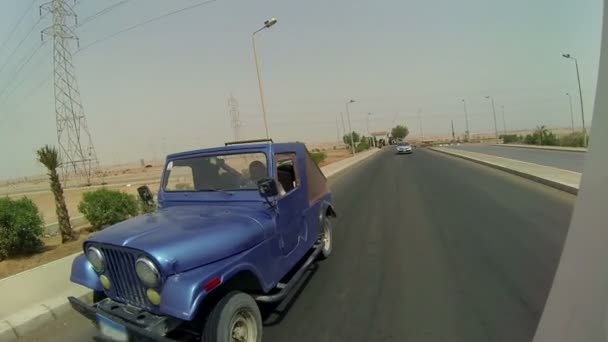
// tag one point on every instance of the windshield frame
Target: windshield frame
(209, 154)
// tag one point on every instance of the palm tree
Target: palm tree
(49, 157)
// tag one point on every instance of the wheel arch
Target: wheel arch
(327, 210)
(242, 278)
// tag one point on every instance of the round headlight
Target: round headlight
(147, 272)
(96, 259)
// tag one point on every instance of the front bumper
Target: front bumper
(139, 325)
(404, 151)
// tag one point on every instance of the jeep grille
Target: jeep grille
(126, 287)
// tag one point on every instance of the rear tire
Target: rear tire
(326, 238)
(236, 317)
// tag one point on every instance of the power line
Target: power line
(21, 68)
(10, 35)
(101, 13)
(21, 42)
(20, 83)
(33, 91)
(130, 28)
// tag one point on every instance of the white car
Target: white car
(403, 147)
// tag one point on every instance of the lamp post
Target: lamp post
(350, 128)
(268, 23)
(494, 112)
(580, 95)
(466, 119)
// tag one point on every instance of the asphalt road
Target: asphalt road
(427, 247)
(566, 160)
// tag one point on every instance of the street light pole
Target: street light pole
(268, 23)
(350, 128)
(494, 112)
(580, 95)
(466, 119)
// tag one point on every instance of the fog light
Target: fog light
(105, 282)
(153, 296)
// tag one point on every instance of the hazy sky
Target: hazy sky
(164, 86)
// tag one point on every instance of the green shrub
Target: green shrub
(530, 140)
(575, 139)
(318, 157)
(21, 227)
(510, 138)
(363, 144)
(105, 207)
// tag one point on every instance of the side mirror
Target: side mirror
(267, 187)
(145, 194)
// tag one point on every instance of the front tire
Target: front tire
(235, 318)
(326, 238)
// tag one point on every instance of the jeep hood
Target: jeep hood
(181, 238)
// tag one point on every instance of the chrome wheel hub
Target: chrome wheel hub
(243, 327)
(326, 237)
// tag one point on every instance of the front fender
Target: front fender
(84, 274)
(183, 293)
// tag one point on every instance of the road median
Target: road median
(40, 294)
(557, 178)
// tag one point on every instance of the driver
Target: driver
(257, 171)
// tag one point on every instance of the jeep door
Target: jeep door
(291, 202)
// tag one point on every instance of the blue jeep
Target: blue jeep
(236, 225)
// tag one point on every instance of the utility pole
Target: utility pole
(494, 113)
(350, 128)
(235, 117)
(76, 148)
(466, 120)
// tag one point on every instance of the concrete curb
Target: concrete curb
(28, 320)
(31, 318)
(334, 169)
(549, 148)
(546, 181)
